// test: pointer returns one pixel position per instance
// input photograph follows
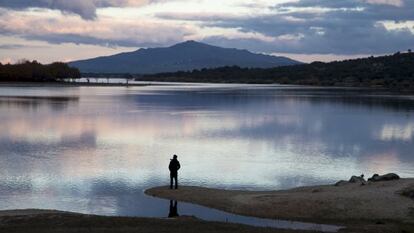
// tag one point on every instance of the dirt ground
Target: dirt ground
(380, 204)
(44, 221)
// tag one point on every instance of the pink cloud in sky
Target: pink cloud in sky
(6, 60)
(85, 8)
(105, 30)
(324, 28)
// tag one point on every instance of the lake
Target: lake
(95, 149)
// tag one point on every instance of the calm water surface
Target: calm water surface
(95, 149)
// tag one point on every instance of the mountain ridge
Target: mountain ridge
(185, 56)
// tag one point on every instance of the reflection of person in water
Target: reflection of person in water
(174, 167)
(173, 209)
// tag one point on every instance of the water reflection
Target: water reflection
(220, 216)
(101, 147)
(173, 209)
(34, 103)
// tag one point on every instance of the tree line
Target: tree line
(392, 72)
(33, 71)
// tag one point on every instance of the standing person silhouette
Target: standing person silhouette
(174, 167)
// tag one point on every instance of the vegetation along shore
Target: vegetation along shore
(33, 71)
(391, 72)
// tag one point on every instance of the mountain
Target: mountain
(185, 56)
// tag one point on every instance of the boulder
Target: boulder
(386, 177)
(408, 192)
(354, 179)
(341, 183)
(358, 179)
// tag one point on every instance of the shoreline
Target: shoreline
(70, 84)
(349, 204)
(356, 87)
(383, 205)
(167, 83)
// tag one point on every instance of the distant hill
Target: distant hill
(392, 72)
(185, 56)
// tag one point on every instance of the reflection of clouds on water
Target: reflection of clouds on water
(385, 162)
(123, 198)
(98, 154)
(396, 132)
(269, 98)
(300, 180)
(340, 132)
(116, 197)
(85, 139)
(10, 185)
(41, 148)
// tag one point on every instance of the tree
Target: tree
(26, 71)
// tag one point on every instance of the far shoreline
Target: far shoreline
(71, 84)
(145, 83)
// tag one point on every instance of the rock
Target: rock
(341, 183)
(316, 190)
(373, 177)
(408, 192)
(354, 179)
(386, 177)
(358, 179)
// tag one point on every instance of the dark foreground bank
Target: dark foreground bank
(44, 221)
(35, 221)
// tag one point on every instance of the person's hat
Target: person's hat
(175, 156)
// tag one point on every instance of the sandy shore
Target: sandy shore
(375, 202)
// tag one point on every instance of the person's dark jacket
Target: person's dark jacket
(174, 166)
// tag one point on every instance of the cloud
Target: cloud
(377, 41)
(345, 27)
(6, 60)
(85, 8)
(317, 26)
(105, 31)
(18, 46)
(11, 46)
(196, 16)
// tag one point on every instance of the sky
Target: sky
(306, 30)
